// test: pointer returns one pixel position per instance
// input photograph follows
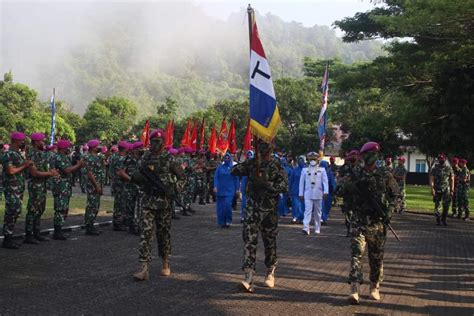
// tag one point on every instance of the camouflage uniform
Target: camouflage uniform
(118, 186)
(36, 192)
(157, 206)
(212, 166)
(346, 174)
(454, 201)
(200, 179)
(401, 171)
(462, 191)
(441, 175)
(262, 197)
(130, 193)
(368, 226)
(96, 166)
(62, 188)
(14, 187)
(188, 194)
(83, 174)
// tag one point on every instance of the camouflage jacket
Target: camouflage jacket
(62, 185)
(400, 171)
(462, 176)
(130, 165)
(377, 185)
(16, 182)
(264, 189)
(170, 173)
(95, 164)
(112, 160)
(441, 175)
(41, 161)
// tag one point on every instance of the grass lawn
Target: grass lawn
(419, 198)
(77, 206)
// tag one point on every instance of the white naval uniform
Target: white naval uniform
(313, 184)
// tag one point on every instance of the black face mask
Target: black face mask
(22, 146)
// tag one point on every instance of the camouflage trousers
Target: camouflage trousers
(454, 202)
(401, 201)
(152, 220)
(347, 211)
(61, 208)
(201, 185)
(188, 193)
(374, 236)
(130, 201)
(13, 202)
(92, 208)
(462, 197)
(35, 209)
(119, 206)
(445, 198)
(265, 223)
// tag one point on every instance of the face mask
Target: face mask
(301, 163)
(22, 146)
(313, 163)
(370, 158)
(441, 162)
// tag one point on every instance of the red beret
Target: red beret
(93, 143)
(173, 151)
(402, 159)
(63, 144)
(158, 133)
(17, 136)
(370, 147)
(37, 136)
(137, 145)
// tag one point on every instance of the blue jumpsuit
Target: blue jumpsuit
(227, 185)
(327, 203)
(297, 206)
(283, 209)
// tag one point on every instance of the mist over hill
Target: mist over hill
(149, 51)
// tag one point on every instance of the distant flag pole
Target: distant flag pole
(53, 118)
(323, 114)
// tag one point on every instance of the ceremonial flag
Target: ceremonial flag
(53, 119)
(213, 140)
(248, 139)
(223, 138)
(194, 136)
(185, 141)
(201, 135)
(172, 133)
(232, 141)
(323, 114)
(145, 138)
(169, 135)
(264, 115)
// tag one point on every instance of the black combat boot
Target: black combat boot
(201, 201)
(38, 237)
(91, 230)
(185, 211)
(58, 233)
(29, 239)
(120, 228)
(8, 243)
(174, 215)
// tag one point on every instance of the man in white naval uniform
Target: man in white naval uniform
(313, 188)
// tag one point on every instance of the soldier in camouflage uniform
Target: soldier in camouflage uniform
(374, 186)
(456, 170)
(350, 170)
(388, 164)
(463, 180)
(211, 170)
(199, 169)
(62, 185)
(130, 189)
(263, 190)
(2, 151)
(96, 178)
(39, 172)
(83, 171)
(400, 173)
(156, 213)
(14, 186)
(442, 188)
(189, 190)
(118, 186)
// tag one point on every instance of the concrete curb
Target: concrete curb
(67, 229)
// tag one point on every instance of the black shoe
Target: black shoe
(324, 223)
(201, 202)
(58, 233)
(29, 239)
(190, 210)
(174, 215)
(185, 212)
(38, 237)
(120, 228)
(208, 201)
(92, 231)
(8, 243)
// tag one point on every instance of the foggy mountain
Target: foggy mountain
(149, 51)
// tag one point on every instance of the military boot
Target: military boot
(374, 291)
(37, 236)
(58, 233)
(91, 230)
(354, 296)
(8, 243)
(143, 273)
(166, 269)
(270, 277)
(29, 239)
(201, 201)
(175, 216)
(120, 228)
(247, 282)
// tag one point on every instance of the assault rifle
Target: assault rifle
(376, 206)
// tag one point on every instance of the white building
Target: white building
(415, 161)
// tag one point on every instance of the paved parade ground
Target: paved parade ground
(430, 272)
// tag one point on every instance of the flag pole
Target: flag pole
(53, 117)
(251, 19)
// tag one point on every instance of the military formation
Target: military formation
(150, 184)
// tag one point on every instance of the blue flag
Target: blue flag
(323, 114)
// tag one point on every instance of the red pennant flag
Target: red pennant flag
(171, 137)
(201, 135)
(223, 138)
(145, 137)
(185, 140)
(213, 140)
(194, 136)
(168, 141)
(248, 138)
(232, 141)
